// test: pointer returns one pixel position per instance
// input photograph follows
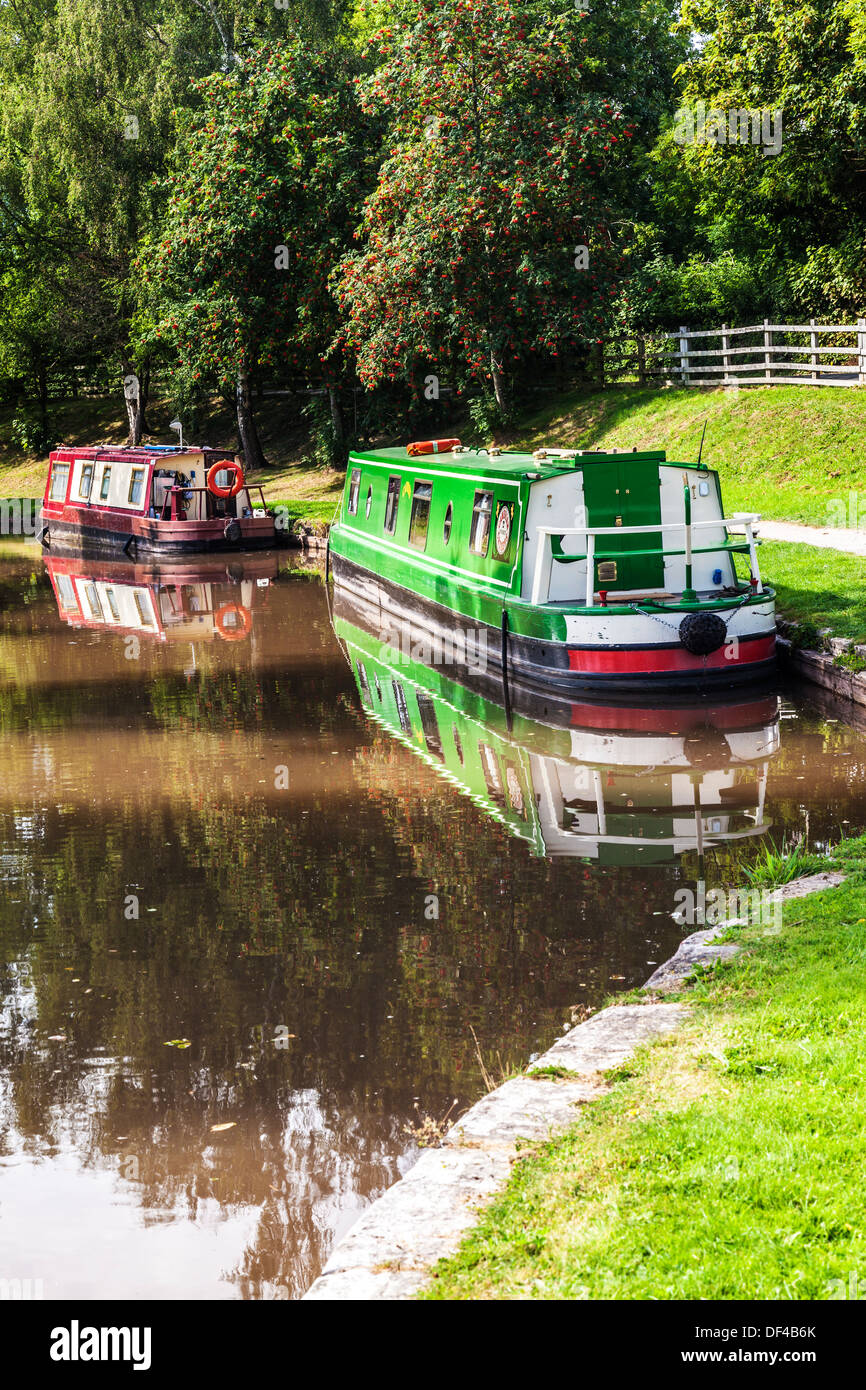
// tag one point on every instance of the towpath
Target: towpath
(846, 538)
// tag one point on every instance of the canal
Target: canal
(271, 900)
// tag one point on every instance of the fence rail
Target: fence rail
(771, 358)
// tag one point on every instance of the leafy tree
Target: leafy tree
(505, 149)
(259, 208)
(91, 92)
(798, 217)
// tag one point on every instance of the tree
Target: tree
(259, 208)
(92, 94)
(795, 215)
(491, 233)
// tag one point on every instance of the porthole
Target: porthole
(446, 529)
(369, 502)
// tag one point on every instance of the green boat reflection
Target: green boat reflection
(612, 783)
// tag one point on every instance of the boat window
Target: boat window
(112, 603)
(66, 590)
(146, 620)
(479, 537)
(420, 518)
(446, 529)
(458, 743)
(402, 707)
(85, 482)
(492, 775)
(354, 490)
(93, 603)
(136, 484)
(391, 505)
(106, 482)
(59, 479)
(362, 677)
(430, 725)
(369, 501)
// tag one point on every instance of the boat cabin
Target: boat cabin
(152, 499)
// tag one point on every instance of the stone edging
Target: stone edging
(390, 1250)
(820, 668)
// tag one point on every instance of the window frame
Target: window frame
(392, 503)
(59, 469)
(105, 482)
(136, 475)
(354, 495)
(479, 510)
(419, 500)
(88, 470)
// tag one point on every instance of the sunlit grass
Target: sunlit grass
(727, 1160)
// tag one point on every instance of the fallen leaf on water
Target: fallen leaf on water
(229, 1124)
(178, 1042)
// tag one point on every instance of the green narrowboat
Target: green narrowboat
(584, 569)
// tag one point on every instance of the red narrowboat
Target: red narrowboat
(151, 500)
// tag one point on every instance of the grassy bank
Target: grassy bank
(727, 1161)
(792, 453)
(822, 587)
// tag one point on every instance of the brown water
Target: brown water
(217, 877)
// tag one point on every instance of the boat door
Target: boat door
(625, 492)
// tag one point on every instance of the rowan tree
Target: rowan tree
(489, 234)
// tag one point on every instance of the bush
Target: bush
(31, 435)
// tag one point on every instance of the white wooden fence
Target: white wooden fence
(768, 354)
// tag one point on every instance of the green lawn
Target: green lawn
(822, 587)
(727, 1160)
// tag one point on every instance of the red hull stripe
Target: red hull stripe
(637, 719)
(649, 660)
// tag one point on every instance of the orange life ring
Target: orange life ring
(432, 446)
(226, 465)
(233, 634)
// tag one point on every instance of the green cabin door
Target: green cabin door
(626, 493)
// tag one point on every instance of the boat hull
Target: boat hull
(616, 653)
(105, 535)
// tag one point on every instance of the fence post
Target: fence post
(861, 352)
(767, 346)
(726, 358)
(641, 361)
(601, 363)
(813, 344)
(684, 355)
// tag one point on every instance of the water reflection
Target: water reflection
(616, 784)
(211, 841)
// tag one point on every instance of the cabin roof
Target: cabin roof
(510, 462)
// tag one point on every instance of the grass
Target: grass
(823, 588)
(773, 866)
(726, 1162)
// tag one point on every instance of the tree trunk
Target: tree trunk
(499, 387)
(134, 409)
(247, 432)
(336, 416)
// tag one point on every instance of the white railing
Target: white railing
(769, 361)
(544, 557)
